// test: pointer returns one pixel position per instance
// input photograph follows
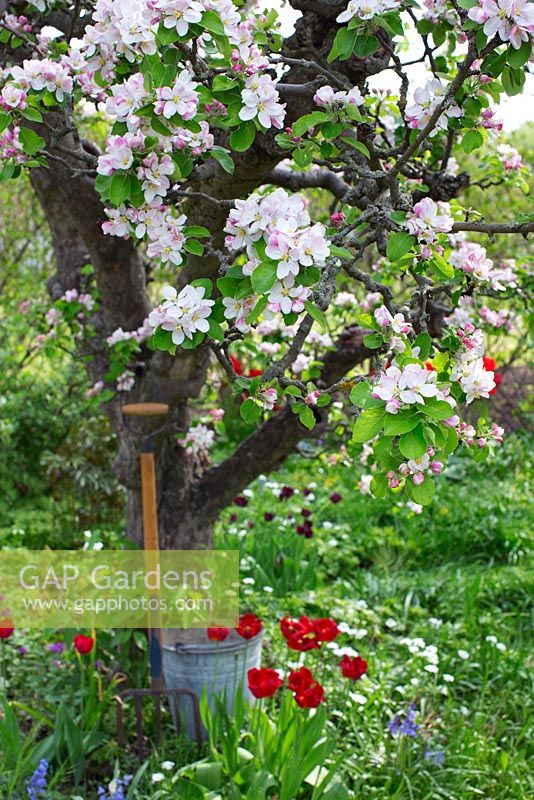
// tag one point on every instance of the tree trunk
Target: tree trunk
(180, 528)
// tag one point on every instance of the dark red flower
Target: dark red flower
(249, 626)
(325, 629)
(6, 628)
(218, 634)
(300, 635)
(241, 501)
(286, 492)
(300, 679)
(311, 697)
(255, 373)
(264, 682)
(353, 667)
(305, 529)
(307, 492)
(306, 513)
(268, 516)
(335, 497)
(83, 644)
(233, 517)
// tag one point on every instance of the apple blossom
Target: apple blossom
(260, 99)
(426, 100)
(326, 96)
(366, 9)
(182, 313)
(269, 398)
(511, 20)
(180, 98)
(179, 14)
(428, 219)
(509, 156)
(199, 439)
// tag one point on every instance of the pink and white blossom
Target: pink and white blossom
(428, 219)
(511, 20)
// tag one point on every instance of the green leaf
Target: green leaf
(159, 127)
(368, 424)
(360, 393)
(517, 58)
(242, 138)
(316, 314)
(357, 145)
(379, 484)
(194, 247)
(215, 330)
(441, 266)
(221, 83)
(256, 311)
(438, 409)
(162, 340)
(373, 341)
(33, 114)
(303, 124)
(413, 443)
(513, 80)
(250, 410)
(212, 22)
(424, 343)
(224, 158)
(5, 119)
(365, 46)
(422, 493)
(306, 417)
(264, 277)
(398, 245)
(197, 231)
(119, 189)
(472, 141)
(341, 252)
(399, 423)
(452, 441)
(343, 44)
(31, 141)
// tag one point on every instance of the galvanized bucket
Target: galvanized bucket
(218, 667)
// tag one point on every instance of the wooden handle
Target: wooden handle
(145, 409)
(150, 503)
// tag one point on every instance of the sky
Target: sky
(514, 111)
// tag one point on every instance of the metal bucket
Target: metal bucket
(218, 667)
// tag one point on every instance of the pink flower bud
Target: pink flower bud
(418, 478)
(337, 218)
(436, 467)
(481, 442)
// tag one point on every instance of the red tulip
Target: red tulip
(6, 628)
(325, 629)
(218, 634)
(264, 682)
(490, 365)
(300, 679)
(83, 644)
(353, 668)
(311, 697)
(300, 634)
(237, 365)
(249, 626)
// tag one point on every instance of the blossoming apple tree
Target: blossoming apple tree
(224, 144)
